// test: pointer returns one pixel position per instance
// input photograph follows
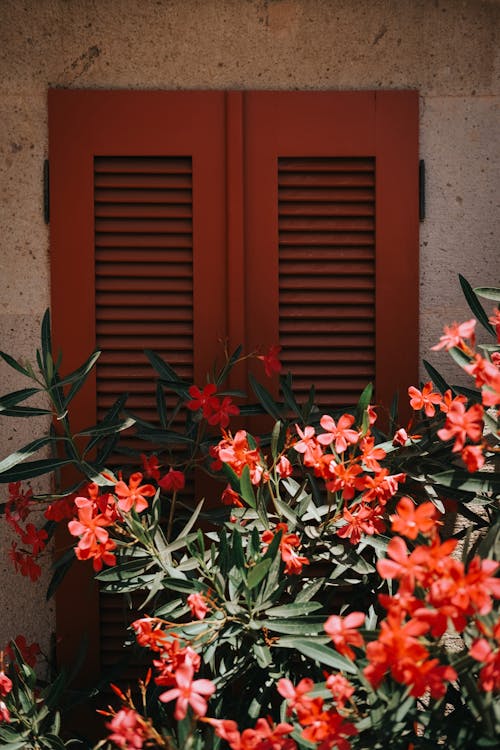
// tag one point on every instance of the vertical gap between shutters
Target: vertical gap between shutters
(144, 300)
(326, 216)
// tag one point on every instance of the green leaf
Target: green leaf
(61, 567)
(46, 339)
(459, 356)
(23, 453)
(481, 482)
(275, 436)
(33, 469)
(265, 398)
(14, 364)
(229, 365)
(295, 608)
(79, 377)
(11, 399)
(290, 626)
(320, 653)
(436, 378)
(258, 572)
(290, 400)
(246, 488)
(364, 402)
(475, 305)
(489, 292)
(25, 411)
(167, 374)
(161, 406)
(262, 655)
(107, 429)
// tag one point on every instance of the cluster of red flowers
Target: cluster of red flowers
(29, 653)
(237, 453)
(98, 512)
(325, 726)
(289, 545)
(176, 666)
(348, 461)
(17, 510)
(214, 410)
(434, 589)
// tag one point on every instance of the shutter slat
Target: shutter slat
(123, 240)
(134, 197)
(143, 274)
(325, 209)
(134, 181)
(325, 194)
(325, 164)
(142, 210)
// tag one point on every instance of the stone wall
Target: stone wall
(447, 49)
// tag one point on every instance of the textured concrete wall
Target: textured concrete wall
(447, 49)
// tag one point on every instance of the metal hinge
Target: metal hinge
(46, 194)
(421, 190)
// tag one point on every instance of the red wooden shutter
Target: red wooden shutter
(332, 181)
(137, 262)
(182, 217)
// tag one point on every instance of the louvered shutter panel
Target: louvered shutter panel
(138, 244)
(332, 242)
(326, 266)
(144, 275)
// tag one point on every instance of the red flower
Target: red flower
(340, 433)
(288, 543)
(454, 335)
(34, 537)
(342, 631)
(28, 651)
(268, 736)
(149, 634)
(128, 729)
(489, 676)
(5, 684)
(188, 693)
(204, 399)
(424, 399)
(173, 481)
(133, 496)
(271, 361)
(230, 497)
(197, 603)
(150, 467)
(472, 456)
(410, 520)
(222, 412)
(462, 424)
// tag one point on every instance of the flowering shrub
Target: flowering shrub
(313, 608)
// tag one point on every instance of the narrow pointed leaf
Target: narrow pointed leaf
(490, 292)
(24, 411)
(14, 398)
(107, 429)
(436, 378)
(14, 363)
(294, 609)
(23, 453)
(258, 572)
(160, 403)
(320, 653)
(265, 398)
(33, 469)
(475, 305)
(246, 488)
